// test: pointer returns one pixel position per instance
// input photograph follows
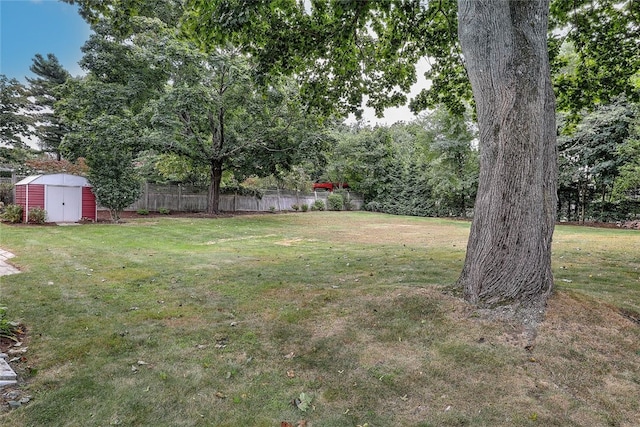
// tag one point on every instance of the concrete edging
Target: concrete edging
(6, 268)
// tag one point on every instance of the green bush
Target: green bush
(304, 207)
(346, 198)
(37, 215)
(335, 202)
(164, 211)
(295, 207)
(142, 211)
(6, 193)
(318, 205)
(613, 211)
(373, 206)
(12, 213)
(8, 329)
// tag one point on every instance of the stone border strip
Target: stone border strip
(6, 268)
(7, 375)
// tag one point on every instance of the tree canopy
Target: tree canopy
(589, 73)
(347, 50)
(199, 108)
(215, 115)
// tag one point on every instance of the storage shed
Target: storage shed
(66, 198)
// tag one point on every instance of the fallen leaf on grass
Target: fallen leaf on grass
(220, 395)
(303, 402)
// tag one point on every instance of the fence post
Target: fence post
(146, 194)
(279, 203)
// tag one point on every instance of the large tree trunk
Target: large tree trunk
(213, 199)
(217, 145)
(509, 250)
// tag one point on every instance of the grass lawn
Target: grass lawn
(316, 319)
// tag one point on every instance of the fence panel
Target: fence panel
(185, 199)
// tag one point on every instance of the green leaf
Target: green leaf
(304, 401)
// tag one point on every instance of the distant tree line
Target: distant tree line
(425, 167)
(154, 106)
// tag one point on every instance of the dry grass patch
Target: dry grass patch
(587, 351)
(429, 359)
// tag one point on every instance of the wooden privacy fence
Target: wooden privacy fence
(187, 199)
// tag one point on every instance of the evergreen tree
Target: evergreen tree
(44, 89)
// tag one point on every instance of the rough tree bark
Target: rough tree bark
(217, 160)
(504, 44)
(213, 199)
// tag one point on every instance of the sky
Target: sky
(28, 27)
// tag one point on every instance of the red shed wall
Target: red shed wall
(36, 196)
(21, 195)
(29, 196)
(89, 208)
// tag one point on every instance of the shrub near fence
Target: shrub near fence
(187, 199)
(335, 202)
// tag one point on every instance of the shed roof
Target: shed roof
(61, 179)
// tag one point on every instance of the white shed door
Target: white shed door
(64, 204)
